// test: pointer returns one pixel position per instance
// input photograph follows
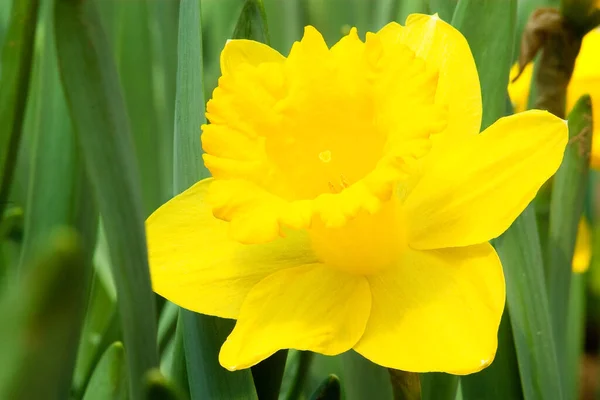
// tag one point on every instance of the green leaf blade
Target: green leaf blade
(17, 59)
(98, 113)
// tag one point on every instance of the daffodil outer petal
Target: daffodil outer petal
(446, 49)
(313, 307)
(437, 310)
(195, 264)
(474, 191)
(241, 51)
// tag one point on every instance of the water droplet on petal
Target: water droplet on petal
(325, 156)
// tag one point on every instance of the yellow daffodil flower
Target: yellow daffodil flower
(583, 247)
(352, 201)
(585, 80)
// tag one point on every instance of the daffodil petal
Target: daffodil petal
(446, 50)
(242, 51)
(195, 264)
(313, 307)
(474, 191)
(438, 310)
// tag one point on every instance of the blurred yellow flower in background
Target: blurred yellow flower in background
(585, 80)
(352, 201)
(583, 247)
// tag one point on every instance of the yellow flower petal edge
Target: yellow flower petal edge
(352, 200)
(437, 310)
(583, 247)
(585, 80)
(289, 309)
(196, 265)
(476, 190)
(458, 87)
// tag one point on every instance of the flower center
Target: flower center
(366, 244)
(327, 142)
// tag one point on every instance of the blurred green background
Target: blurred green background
(101, 103)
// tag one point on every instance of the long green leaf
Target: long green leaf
(295, 380)
(566, 205)
(57, 182)
(444, 8)
(499, 381)
(575, 335)
(100, 121)
(385, 11)
(438, 386)
(17, 56)
(520, 253)
(133, 48)
(42, 318)
(100, 315)
(252, 23)
(489, 27)
(208, 380)
(109, 380)
(408, 7)
(202, 335)
(363, 379)
(286, 20)
(5, 7)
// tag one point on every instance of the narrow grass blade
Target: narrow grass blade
(166, 325)
(133, 48)
(98, 113)
(42, 318)
(408, 7)
(330, 389)
(109, 380)
(286, 21)
(301, 361)
(252, 23)
(17, 57)
(362, 379)
(444, 8)
(189, 101)
(176, 369)
(520, 253)
(100, 314)
(575, 335)
(499, 381)
(438, 386)
(202, 335)
(267, 375)
(566, 205)
(489, 26)
(334, 18)
(5, 7)
(57, 182)
(207, 379)
(163, 19)
(385, 11)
